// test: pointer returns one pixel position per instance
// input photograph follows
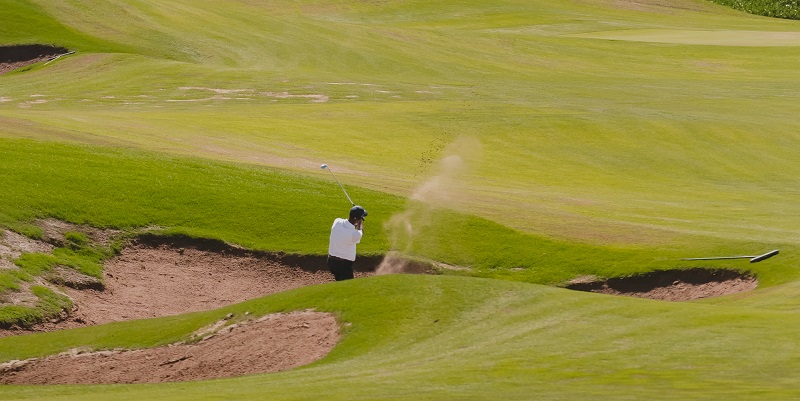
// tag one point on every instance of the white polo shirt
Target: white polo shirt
(344, 238)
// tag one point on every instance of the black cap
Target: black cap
(358, 212)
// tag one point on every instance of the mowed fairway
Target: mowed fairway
(532, 141)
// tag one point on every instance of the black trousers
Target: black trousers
(342, 269)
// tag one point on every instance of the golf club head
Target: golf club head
(764, 256)
(325, 167)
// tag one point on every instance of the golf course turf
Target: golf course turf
(512, 147)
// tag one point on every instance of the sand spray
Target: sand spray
(439, 191)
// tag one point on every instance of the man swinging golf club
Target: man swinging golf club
(345, 234)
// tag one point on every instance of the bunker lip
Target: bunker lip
(18, 56)
(672, 285)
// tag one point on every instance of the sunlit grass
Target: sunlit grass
(580, 154)
(404, 333)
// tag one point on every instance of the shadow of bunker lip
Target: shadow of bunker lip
(672, 285)
(309, 263)
(21, 53)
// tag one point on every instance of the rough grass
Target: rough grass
(76, 253)
(789, 9)
(48, 305)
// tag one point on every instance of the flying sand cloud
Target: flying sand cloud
(437, 192)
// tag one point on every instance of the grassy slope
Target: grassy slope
(579, 138)
(602, 141)
(282, 211)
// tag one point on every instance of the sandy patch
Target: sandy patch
(273, 343)
(6, 264)
(215, 90)
(12, 245)
(23, 297)
(54, 231)
(220, 94)
(316, 98)
(28, 104)
(11, 66)
(205, 99)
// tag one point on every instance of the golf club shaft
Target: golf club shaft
(340, 186)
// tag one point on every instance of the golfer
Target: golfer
(345, 234)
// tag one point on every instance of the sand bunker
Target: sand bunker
(273, 343)
(671, 285)
(156, 277)
(18, 56)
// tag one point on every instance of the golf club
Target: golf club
(325, 167)
(753, 259)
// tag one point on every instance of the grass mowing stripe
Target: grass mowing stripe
(557, 115)
(26, 22)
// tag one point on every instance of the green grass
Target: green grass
(595, 138)
(25, 22)
(251, 206)
(509, 340)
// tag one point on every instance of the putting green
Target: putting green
(700, 37)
